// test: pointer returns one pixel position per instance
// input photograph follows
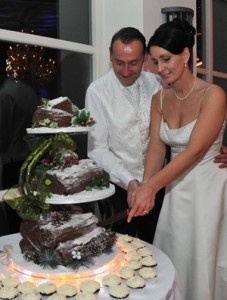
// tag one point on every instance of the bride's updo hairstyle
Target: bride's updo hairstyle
(173, 36)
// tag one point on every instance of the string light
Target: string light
(27, 62)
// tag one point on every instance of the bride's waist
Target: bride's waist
(209, 155)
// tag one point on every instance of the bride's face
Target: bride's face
(168, 65)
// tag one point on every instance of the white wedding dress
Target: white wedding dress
(192, 227)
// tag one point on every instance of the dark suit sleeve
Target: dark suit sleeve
(225, 137)
(6, 117)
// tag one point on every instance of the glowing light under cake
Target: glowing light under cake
(28, 271)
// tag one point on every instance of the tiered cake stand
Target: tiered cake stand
(164, 286)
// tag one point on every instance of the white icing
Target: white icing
(76, 221)
(81, 240)
(68, 175)
(87, 237)
(55, 101)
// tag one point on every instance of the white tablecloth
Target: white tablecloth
(164, 287)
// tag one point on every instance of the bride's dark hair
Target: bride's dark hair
(173, 36)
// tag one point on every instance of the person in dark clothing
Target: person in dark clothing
(18, 101)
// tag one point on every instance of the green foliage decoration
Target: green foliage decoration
(83, 119)
(28, 204)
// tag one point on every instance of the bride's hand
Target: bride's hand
(143, 200)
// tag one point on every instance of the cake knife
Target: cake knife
(117, 217)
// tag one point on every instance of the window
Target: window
(63, 28)
(65, 31)
(211, 41)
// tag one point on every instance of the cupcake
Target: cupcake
(26, 286)
(46, 288)
(148, 272)
(31, 295)
(111, 279)
(126, 247)
(85, 296)
(137, 243)
(11, 281)
(133, 254)
(126, 272)
(134, 264)
(148, 261)
(56, 297)
(90, 286)
(125, 238)
(136, 282)
(8, 292)
(119, 291)
(67, 290)
(144, 252)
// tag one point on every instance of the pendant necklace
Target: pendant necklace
(190, 91)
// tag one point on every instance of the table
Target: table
(164, 287)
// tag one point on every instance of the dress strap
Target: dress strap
(208, 88)
(161, 99)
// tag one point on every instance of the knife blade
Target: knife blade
(117, 217)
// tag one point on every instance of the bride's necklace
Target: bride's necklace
(190, 91)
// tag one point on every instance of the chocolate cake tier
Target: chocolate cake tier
(63, 242)
(74, 179)
(59, 111)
